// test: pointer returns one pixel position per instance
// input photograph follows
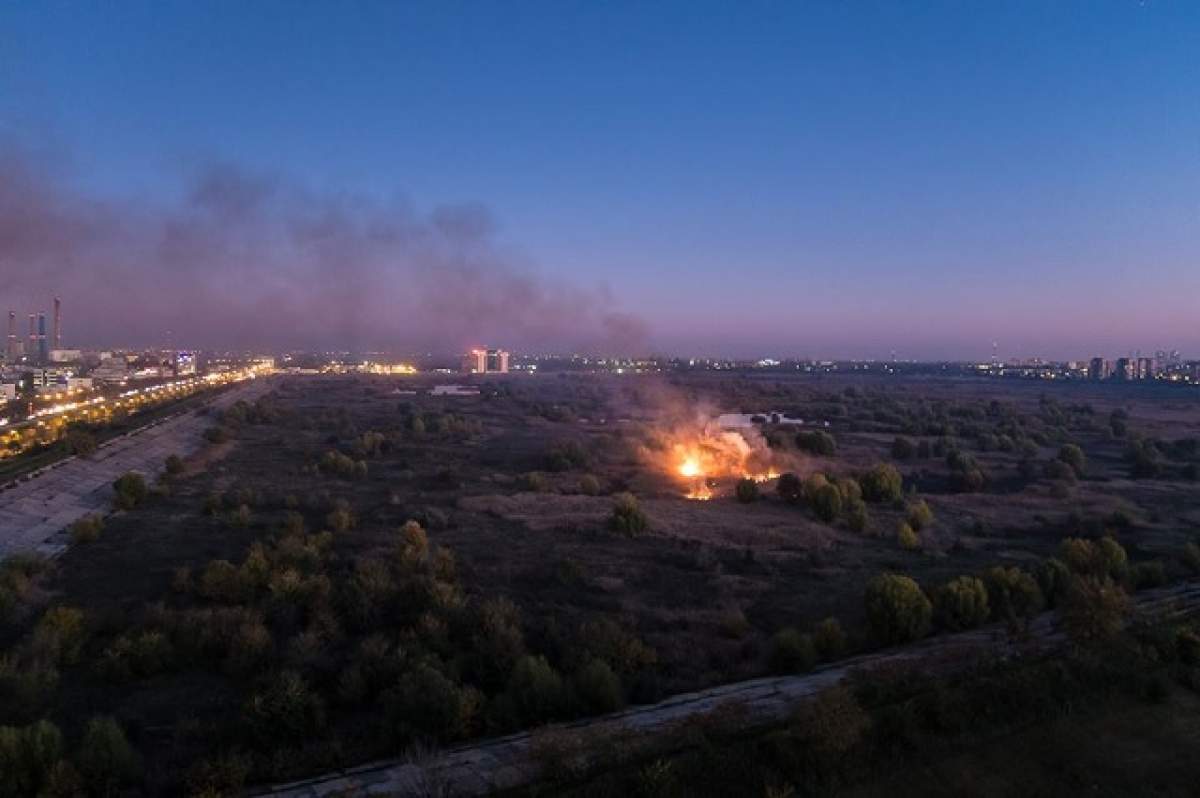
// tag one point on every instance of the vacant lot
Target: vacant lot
(268, 610)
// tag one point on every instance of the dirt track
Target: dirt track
(509, 762)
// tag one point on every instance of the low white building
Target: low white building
(454, 390)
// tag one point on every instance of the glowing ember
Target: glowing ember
(764, 477)
(701, 493)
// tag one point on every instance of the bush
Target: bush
(129, 490)
(340, 519)
(536, 482)
(1073, 456)
(597, 688)
(792, 652)
(856, 515)
(27, 757)
(286, 709)
(1013, 594)
(80, 442)
(1190, 557)
(535, 691)
(833, 724)
(1148, 574)
(747, 491)
(174, 465)
(920, 516)
(882, 483)
(60, 634)
(829, 639)
(1105, 557)
(907, 537)
(961, 603)
(1095, 609)
(1054, 579)
(427, 704)
(816, 442)
(590, 485)
(827, 502)
(897, 610)
(106, 758)
(789, 487)
(627, 517)
(87, 529)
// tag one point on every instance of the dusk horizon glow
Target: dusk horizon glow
(808, 180)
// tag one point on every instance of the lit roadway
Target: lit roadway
(35, 511)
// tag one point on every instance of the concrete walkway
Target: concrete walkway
(507, 763)
(36, 509)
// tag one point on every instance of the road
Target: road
(506, 763)
(36, 509)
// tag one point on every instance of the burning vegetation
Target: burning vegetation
(704, 458)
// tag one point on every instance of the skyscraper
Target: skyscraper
(57, 323)
(43, 348)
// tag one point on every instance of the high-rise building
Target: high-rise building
(1147, 368)
(10, 352)
(1126, 369)
(43, 347)
(31, 347)
(1099, 369)
(57, 323)
(485, 361)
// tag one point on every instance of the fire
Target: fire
(766, 476)
(690, 468)
(701, 493)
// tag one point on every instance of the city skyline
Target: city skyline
(817, 181)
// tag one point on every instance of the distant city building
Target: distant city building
(65, 355)
(485, 361)
(43, 346)
(454, 390)
(1099, 369)
(8, 391)
(185, 363)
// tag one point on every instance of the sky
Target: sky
(746, 179)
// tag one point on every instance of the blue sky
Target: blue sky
(793, 178)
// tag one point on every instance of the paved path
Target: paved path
(35, 510)
(510, 762)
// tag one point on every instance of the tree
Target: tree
(174, 465)
(598, 688)
(882, 483)
(1054, 578)
(1094, 609)
(426, 703)
(536, 690)
(87, 529)
(589, 485)
(897, 610)
(961, 603)
(856, 515)
(106, 758)
(627, 517)
(747, 491)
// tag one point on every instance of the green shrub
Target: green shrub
(856, 515)
(907, 537)
(1105, 557)
(1013, 594)
(27, 757)
(1190, 557)
(1054, 579)
(427, 704)
(87, 529)
(746, 491)
(536, 481)
(920, 516)
(60, 634)
(535, 691)
(589, 485)
(1150, 574)
(129, 490)
(106, 758)
(816, 442)
(1073, 456)
(903, 448)
(961, 603)
(1094, 609)
(833, 724)
(598, 688)
(829, 639)
(897, 610)
(792, 652)
(174, 465)
(627, 517)
(827, 502)
(340, 519)
(882, 483)
(285, 709)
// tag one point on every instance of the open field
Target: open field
(268, 612)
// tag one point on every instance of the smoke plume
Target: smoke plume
(257, 260)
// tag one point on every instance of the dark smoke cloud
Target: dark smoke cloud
(257, 260)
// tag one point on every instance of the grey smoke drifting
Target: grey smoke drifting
(249, 260)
